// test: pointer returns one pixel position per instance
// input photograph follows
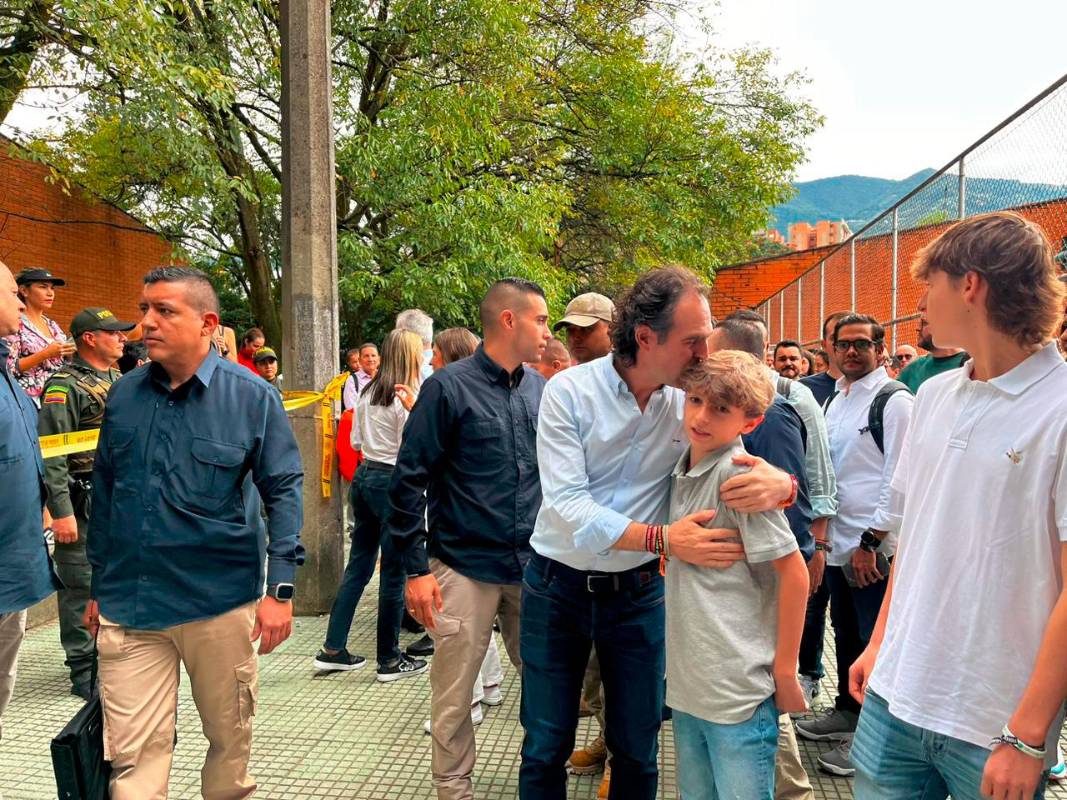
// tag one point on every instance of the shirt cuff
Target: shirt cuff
(601, 532)
(280, 571)
(885, 521)
(59, 505)
(823, 506)
(417, 560)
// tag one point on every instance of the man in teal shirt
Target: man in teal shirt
(937, 360)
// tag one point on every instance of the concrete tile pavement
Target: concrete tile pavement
(335, 736)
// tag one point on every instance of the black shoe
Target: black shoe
(341, 661)
(82, 690)
(403, 667)
(410, 624)
(420, 648)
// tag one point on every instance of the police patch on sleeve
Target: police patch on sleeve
(55, 394)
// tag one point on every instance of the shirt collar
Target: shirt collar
(495, 372)
(868, 381)
(1024, 375)
(706, 464)
(102, 373)
(203, 373)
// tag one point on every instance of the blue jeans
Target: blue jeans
(727, 762)
(853, 612)
(370, 507)
(561, 620)
(898, 761)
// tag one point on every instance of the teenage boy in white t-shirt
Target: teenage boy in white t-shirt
(963, 682)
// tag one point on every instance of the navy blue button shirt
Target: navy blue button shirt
(821, 385)
(26, 574)
(779, 440)
(469, 446)
(175, 534)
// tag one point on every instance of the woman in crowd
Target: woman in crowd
(226, 342)
(40, 346)
(452, 345)
(381, 411)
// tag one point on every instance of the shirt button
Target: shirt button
(149, 508)
(144, 579)
(170, 402)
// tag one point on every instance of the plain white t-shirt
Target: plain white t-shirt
(977, 571)
(377, 430)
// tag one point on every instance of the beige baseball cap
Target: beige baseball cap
(587, 309)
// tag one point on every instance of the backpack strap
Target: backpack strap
(876, 413)
(784, 387)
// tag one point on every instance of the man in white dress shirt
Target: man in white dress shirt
(609, 434)
(864, 457)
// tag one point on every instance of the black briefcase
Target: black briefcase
(81, 771)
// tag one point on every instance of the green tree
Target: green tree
(562, 140)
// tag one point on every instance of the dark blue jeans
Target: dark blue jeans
(814, 631)
(370, 507)
(853, 612)
(561, 620)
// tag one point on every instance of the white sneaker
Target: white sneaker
(477, 715)
(492, 695)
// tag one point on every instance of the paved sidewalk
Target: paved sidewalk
(335, 736)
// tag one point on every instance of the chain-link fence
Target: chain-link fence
(1020, 165)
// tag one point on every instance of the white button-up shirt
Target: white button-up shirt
(864, 474)
(603, 464)
(984, 480)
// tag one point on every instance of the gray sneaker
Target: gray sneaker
(831, 726)
(839, 760)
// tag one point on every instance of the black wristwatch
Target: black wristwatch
(826, 547)
(870, 541)
(281, 591)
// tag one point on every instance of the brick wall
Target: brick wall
(790, 284)
(102, 252)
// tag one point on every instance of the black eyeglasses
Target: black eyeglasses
(861, 345)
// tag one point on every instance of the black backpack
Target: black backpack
(876, 413)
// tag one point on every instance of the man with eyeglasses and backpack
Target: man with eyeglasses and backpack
(866, 419)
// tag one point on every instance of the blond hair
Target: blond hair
(731, 378)
(1014, 257)
(401, 363)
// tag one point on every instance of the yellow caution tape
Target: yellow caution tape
(64, 444)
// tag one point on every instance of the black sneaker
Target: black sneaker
(420, 648)
(341, 661)
(410, 624)
(82, 690)
(403, 667)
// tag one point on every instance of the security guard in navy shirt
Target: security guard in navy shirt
(26, 576)
(179, 554)
(73, 400)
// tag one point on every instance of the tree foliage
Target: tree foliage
(568, 141)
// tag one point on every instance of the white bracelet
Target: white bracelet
(1009, 738)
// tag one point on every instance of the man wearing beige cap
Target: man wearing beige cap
(586, 321)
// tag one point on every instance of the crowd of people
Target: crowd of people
(657, 511)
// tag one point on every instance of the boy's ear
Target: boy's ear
(752, 424)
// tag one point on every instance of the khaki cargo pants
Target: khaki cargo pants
(139, 688)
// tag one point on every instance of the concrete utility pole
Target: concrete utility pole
(309, 277)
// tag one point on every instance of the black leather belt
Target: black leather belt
(600, 582)
(379, 465)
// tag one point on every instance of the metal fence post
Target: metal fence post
(961, 208)
(893, 298)
(781, 315)
(852, 274)
(822, 293)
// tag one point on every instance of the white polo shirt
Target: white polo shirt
(984, 479)
(864, 473)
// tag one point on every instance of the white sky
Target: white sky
(907, 84)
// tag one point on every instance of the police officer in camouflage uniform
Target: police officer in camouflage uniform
(73, 400)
